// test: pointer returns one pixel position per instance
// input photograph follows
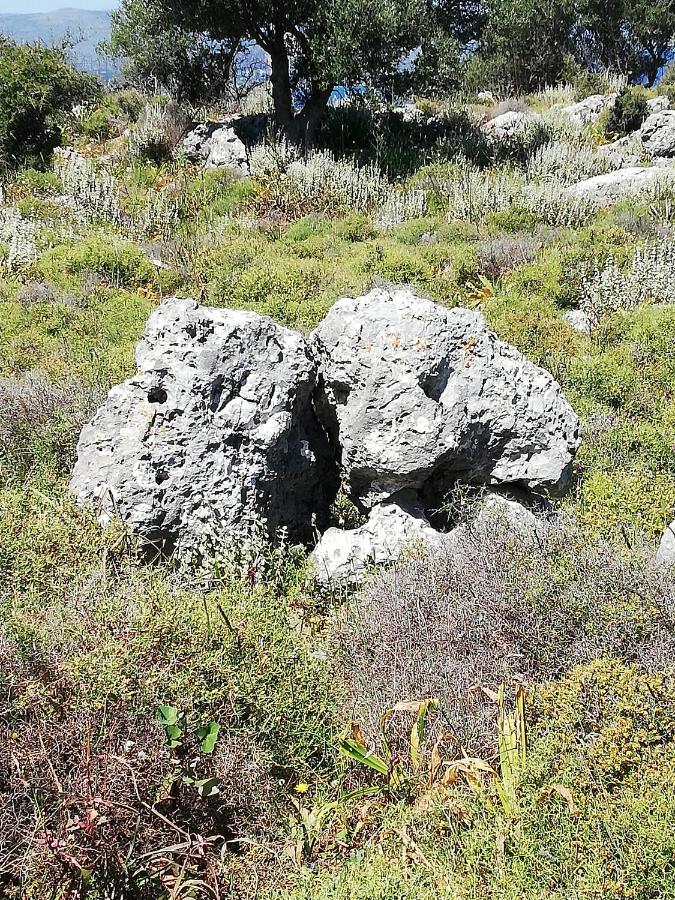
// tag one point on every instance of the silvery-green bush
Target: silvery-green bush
(650, 278)
(88, 190)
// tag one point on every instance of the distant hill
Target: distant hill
(86, 27)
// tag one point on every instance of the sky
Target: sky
(33, 6)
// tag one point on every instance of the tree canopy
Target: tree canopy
(312, 45)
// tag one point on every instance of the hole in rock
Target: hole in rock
(341, 395)
(216, 394)
(157, 395)
(161, 476)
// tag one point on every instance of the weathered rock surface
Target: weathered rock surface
(589, 110)
(613, 186)
(510, 125)
(658, 104)
(344, 556)
(416, 396)
(400, 524)
(666, 551)
(224, 144)
(499, 512)
(579, 321)
(658, 133)
(216, 426)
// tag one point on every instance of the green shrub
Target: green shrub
(157, 131)
(513, 220)
(38, 89)
(119, 263)
(98, 125)
(627, 113)
(589, 83)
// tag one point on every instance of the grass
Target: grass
(92, 641)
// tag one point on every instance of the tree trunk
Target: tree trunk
(312, 114)
(282, 92)
(299, 128)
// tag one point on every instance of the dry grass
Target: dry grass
(500, 609)
(31, 405)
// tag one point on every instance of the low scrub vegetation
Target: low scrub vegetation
(495, 722)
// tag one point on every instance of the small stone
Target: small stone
(666, 552)
(344, 557)
(579, 321)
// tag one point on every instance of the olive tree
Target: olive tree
(312, 45)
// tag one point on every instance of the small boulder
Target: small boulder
(416, 396)
(658, 133)
(224, 144)
(510, 125)
(579, 321)
(343, 557)
(658, 104)
(604, 190)
(588, 111)
(216, 428)
(504, 513)
(666, 552)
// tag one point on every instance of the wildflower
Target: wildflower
(301, 788)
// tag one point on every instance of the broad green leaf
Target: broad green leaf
(167, 715)
(208, 735)
(208, 787)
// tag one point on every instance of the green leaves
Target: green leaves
(174, 723)
(208, 735)
(186, 765)
(172, 720)
(356, 748)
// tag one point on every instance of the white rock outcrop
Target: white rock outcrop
(588, 111)
(224, 144)
(344, 556)
(657, 133)
(416, 396)
(510, 125)
(217, 425)
(607, 189)
(658, 104)
(232, 418)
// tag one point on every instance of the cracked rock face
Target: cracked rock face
(216, 425)
(657, 133)
(416, 396)
(590, 109)
(224, 144)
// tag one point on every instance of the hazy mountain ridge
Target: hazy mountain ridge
(86, 28)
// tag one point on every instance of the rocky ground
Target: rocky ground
(335, 491)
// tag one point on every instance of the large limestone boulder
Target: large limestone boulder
(604, 190)
(587, 111)
(216, 427)
(416, 396)
(666, 551)
(657, 133)
(344, 556)
(510, 125)
(224, 144)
